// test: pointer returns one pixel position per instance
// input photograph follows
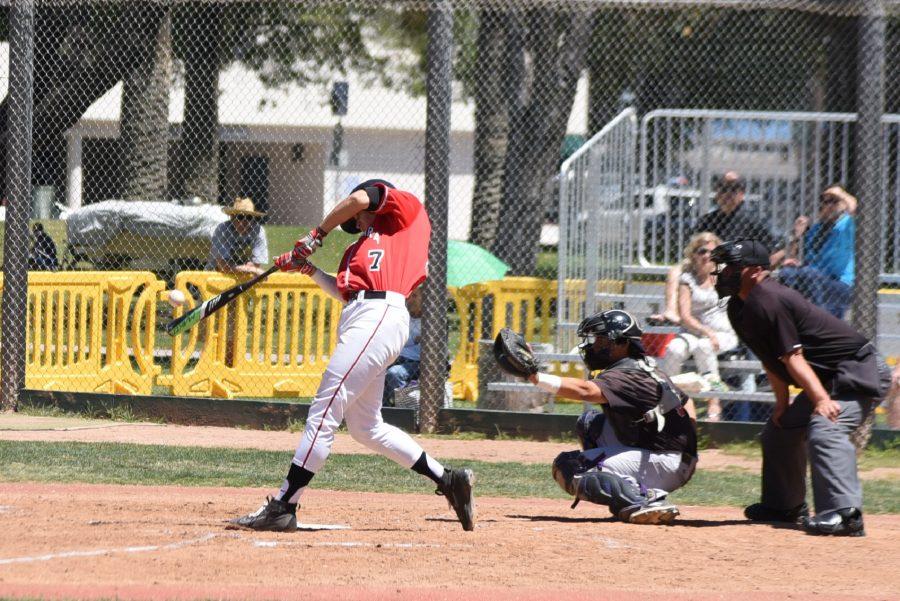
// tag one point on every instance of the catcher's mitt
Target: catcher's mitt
(513, 354)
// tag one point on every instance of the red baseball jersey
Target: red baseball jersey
(393, 253)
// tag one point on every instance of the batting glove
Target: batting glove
(289, 264)
(308, 244)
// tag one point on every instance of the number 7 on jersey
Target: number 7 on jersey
(375, 255)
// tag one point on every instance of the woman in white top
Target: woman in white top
(706, 331)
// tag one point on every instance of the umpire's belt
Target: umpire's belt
(393, 298)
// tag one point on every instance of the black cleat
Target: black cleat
(274, 516)
(843, 522)
(457, 485)
(763, 513)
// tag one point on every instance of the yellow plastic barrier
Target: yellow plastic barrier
(96, 331)
(274, 340)
(84, 329)
(521, 303)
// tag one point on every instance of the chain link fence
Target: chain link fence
(181, 145)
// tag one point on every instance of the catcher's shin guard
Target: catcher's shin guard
(624, 499)
(612, 490)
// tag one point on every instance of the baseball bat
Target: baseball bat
(198, 314)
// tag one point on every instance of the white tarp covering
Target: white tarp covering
(99, 223)
(153, 233)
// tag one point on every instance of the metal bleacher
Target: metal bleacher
(637, 300)
(639, 279)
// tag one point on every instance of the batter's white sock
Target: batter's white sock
(429, 467)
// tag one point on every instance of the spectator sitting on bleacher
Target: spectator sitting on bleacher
(406, 368)
(826, 276)
(730, 221)
(706, 330)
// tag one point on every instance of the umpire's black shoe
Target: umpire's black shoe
(457, 485)
(274, 516)
(763, 513)
(843, 522)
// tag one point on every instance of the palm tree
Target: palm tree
(144, 123)
(555, 42)
(196, 166)
(491, 123)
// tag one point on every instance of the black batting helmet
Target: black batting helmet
(349, 226)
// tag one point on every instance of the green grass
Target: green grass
(282, 237)
(558, 408)
(188, 466)
(191, 466)
(871, 458)
(113, 412)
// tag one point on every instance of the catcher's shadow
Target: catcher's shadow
(603, 520)
(708, 523)
(562, 519)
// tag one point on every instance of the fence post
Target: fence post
(869, 178)
(435, 353)
(17, 242)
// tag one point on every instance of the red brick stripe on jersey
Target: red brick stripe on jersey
(331, 400)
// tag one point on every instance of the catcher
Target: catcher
(644, 443)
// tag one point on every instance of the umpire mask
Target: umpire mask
(728, 281)
(731, 258)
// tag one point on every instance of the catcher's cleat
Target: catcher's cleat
(654, 513)
(763, 513)
(457, 485)
(843, 522)
(274, 516)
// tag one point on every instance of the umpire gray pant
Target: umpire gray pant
(832, 456)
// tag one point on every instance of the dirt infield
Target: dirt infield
(132, 542)
(93, 541)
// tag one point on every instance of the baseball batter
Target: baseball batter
(376, 274)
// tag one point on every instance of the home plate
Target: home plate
(314, 527)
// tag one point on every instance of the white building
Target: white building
(280, 142)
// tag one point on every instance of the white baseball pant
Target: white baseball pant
(652, 469)
(371, 333)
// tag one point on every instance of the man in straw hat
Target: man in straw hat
(239, 245)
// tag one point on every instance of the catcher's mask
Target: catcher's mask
(349, 226)
(565, 467)
(615, 325)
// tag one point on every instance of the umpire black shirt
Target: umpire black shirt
(775, 320)
(631, 392)
(737, 225)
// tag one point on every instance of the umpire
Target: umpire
(842, 379)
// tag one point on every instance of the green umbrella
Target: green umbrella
(469, 263)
